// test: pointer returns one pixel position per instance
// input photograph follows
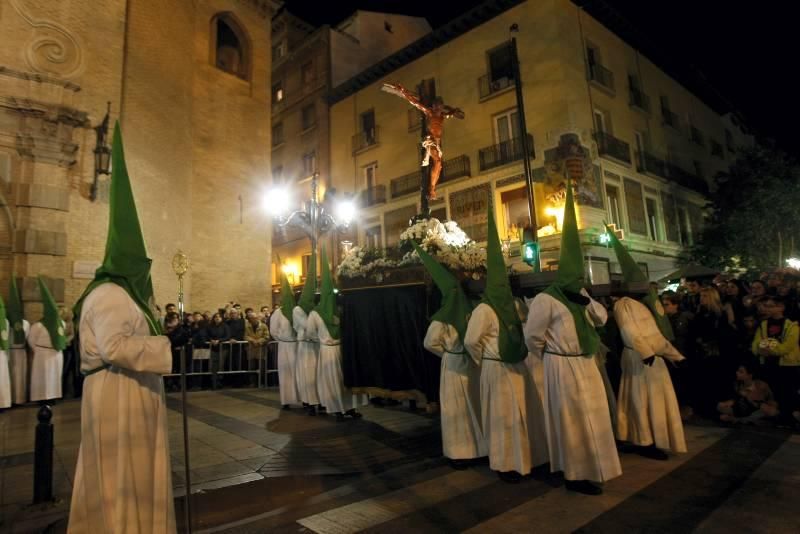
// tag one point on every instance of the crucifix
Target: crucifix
(434, 113)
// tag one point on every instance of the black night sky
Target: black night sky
(746, 50)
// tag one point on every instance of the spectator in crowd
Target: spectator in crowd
(179, 336)
(787, 292)
(266, 311)
(707, 329)
(732, 302)
(752, 302)
(681, 376)
(207, 317)
(776, 344)
(691, 299)
(752, 399)
(256, 334)
(235, 325)
(247, 313)
(217, 332)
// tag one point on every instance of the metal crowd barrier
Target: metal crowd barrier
(232, 358)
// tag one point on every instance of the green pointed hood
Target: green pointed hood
(15, 313)
(126, 263)
(310, 287)
(287, 298)
(4, 333)
(571, 278)
(498, 295)
(456, 308)
(327, 299)
(51, 320)
(633, 275)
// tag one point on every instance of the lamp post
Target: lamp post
(102, 154)
(315, 221)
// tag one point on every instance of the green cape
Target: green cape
(126, 263)
(571, 277)
(287, 298)
(306, 300)
(327, 300)
(51, 320)
(632, 273)
(456, 308)
(3, 328)
(15, 313)
(498, 295)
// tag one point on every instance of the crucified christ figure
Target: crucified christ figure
(435, 115)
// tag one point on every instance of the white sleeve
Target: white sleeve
(113, 328)
(625, 314)
(538, 321)
(597, 312)
(434, 338)
(477, 329)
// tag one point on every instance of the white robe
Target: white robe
(307, 359)
(18, 366)
(5, 375)
(579, 431)
(647, 411)
(123, 479)
(330, 381)
(47, 365)
(506, 398)
(280, 328)
(459, 394)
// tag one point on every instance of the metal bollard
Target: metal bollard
(43, 457)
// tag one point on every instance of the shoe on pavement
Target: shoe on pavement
(653, 453)
(583, 486)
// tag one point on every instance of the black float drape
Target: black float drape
(382, 334)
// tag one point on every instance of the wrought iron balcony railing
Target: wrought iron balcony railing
(601, 75)
(488, 86)
(639, 100)
(374, 195)
(608, 145)
(452, 169)
(366, 139)
(503, 153)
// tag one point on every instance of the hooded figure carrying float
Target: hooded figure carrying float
(123, 480)
(560, 329)
(494, 340)
(18, 342)
(647, 409)
(459, 383)
(280, 327)
(307, 348)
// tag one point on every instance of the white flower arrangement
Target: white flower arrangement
(444, 241)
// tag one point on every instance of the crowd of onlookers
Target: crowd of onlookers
(741, 340)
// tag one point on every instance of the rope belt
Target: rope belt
(96, 369)
(492, 359)
(583, 354)
(279, 340)
(462, 353)
(331, 344)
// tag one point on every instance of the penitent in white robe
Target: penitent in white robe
(5, 375)
(330, 380)
(459, 394)
(307, 359)
(47, 365)
(123, 480)
(506, 398)
(647, 411)
(579, 431)
(280, 329)
(18, 365)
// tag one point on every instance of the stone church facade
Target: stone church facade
(189, 83)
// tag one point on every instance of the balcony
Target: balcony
(601, 76)
(608, 145)
(650, 164)
(488, 87)
(686, 179)
(365, 140)
(503, 153)
(639, 100)
(373, 196)
(452, 169)
(670, 118)
(696, 136)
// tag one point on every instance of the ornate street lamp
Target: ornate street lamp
(102, 154)
(315, 221)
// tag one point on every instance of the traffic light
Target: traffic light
(530, 249)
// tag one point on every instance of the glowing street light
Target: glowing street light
(794, 263)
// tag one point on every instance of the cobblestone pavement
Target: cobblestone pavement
(257, 468)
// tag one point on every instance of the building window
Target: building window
(501, 70)
(277, 134)
(277, 93)
(372, 237)
(601, 122)
(368, 126)
(671, 224)
(279, 51)
(396, 222)
(684, 227)
(371, 175)
(506, 127)
(230, 46)
(637, 218)
(309, 116)
(613, 205)
(652, 218)
(668, 117)
(310, 163)
(307, 72)
(597, 72)
(515, 211)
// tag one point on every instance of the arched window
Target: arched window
(230, 47)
